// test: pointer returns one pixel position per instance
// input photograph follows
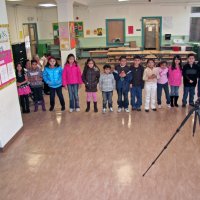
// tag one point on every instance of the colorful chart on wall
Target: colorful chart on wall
(79, 32)
(64, 36)
(72, 35)
(7, 73)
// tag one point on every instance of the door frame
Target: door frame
(143, 29)
(124, 30)
(36, 34)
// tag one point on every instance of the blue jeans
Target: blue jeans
(159, 92)
(122, 95)
(191, 92)
(73, 96)
(107, 97)
(136, 97)
(199, 88)
(174, 91)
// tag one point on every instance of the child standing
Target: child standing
(123, 78)
(52, 75)
(90, 77)
(190, 74)
(72, 81)
(107, 85)
(175, 78)
(35, 79)
(198, 80)
(137, 83)
(23, 88)
(150, 77)
(163, 83)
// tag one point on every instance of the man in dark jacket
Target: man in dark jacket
(137, 83)
(190, 74)
(123, 77)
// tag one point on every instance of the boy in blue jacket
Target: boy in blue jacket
(123, 78)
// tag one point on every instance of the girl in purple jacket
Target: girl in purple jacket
(175, 78)
(72, 81)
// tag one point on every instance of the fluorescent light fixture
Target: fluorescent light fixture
(14, 0)
(122, 0)
(47, 5)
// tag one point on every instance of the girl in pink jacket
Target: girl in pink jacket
(175, 79)
(72, 81)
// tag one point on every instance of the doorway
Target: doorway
(151, 33)
(31, 37)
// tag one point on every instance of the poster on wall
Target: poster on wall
(99, 31)
(130, 29)
(79, 29)
(7, 73)
(88, 32)
(64, 36)
(72, 35)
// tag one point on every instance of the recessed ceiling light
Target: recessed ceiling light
(47, 5)
(123, 0)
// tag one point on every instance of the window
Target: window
(195, 10)
(195, 29)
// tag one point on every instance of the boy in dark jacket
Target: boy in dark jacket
(137, 83)
(190, 74)
(90, 77)
(123, 78)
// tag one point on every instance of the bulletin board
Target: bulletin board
(79, 31)
(72, 35)
(64, 36)
(56, 34)
(115, 31)
(7, 72)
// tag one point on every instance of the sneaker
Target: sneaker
(51, 108)
(159, 106)
(183, 105)
(126, 110)
(192, 104)
(134, 109)
(63, 108)
(168, 105)
(138, 109)
(146, 110)
(71, 110)
(104, 110)
(111, 109)
(78, 110)
(154, 109)
(119, 110)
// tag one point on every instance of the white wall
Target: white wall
(10, 115)
(94, 16)
(17, 15)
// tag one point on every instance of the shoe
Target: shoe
(126, 110)
(51, 108)
(119, 110)
(78, 110)
(134, 109)
(192, 104)
(95, 107)
(146, 110)
(111, 109)
(36, 107)
(62, 108)
(43, 106)
(138, 109)
(88, 107)
(183, 105)
(159, 106)
(27, 111)
(154, 109)
(168, 105)
(71, 110)
(176, 100)
(104, 110)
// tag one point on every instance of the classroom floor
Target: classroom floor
(95, 156)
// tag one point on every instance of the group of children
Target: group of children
(153, 79)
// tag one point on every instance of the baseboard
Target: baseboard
(3, 149)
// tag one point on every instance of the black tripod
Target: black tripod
(196, 111)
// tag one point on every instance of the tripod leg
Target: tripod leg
(195, 123)
(165, 147)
